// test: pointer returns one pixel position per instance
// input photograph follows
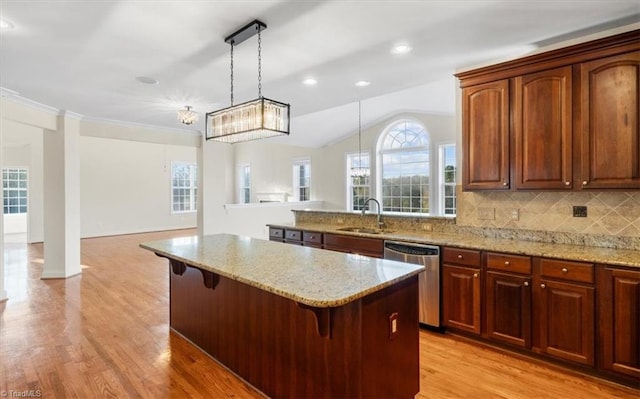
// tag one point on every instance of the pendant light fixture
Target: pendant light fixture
(252, 120)
(360, 170)
(187, 116)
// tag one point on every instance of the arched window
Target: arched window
(404, 173)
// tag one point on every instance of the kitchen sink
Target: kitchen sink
(364, 230)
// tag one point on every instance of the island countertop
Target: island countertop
(313, 277)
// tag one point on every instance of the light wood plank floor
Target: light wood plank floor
(105, 334)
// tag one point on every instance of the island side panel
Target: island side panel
(274, 344)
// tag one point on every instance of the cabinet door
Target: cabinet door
(508, 308)
(610, 139)
(566, 321)
(461, 298)
(485, 136)
(619, 299)
(542, 130)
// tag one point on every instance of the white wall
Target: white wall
(125, 186)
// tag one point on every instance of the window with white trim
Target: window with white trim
(14, 190)
(358, 187)
(404, 168)
(184, 190)
(448, 177)
(244, 184)
(302, 179)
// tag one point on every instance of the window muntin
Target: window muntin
(244, 184)
(184, 190)
(14, 190)
(404, 175)
(358, 187)
(448, 177)
(302, 179)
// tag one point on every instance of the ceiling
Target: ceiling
(84, 56)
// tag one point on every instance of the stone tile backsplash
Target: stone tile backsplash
(615, 214)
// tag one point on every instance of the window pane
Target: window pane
(183, 187)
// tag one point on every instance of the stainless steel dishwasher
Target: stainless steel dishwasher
(429, 280)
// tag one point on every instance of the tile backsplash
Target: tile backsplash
(608, 213)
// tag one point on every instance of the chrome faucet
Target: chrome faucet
(379, 218)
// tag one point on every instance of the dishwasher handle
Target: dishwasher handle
(412, 249)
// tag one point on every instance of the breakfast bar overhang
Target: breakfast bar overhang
(295, 321)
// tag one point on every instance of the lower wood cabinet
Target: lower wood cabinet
(619, 322)
(508, 308)
(373, 247)
(461, 298)
(565, 317)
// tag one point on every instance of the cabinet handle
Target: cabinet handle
(543, 286)
(505, 184)
(526, 283)
(475, 275)
(459, 256)
(564, 270)
(567, 183)
(311, 237)
(506, 263)
(584, 182)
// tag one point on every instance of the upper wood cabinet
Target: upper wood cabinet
(485, 113)
(610, 138)
(542, 130)
(567, 119)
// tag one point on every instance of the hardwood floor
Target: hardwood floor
(105, 334)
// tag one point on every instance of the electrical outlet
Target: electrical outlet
(486, 213)
(515, 214)
(579, 211)
(427, 227)
(393, 325)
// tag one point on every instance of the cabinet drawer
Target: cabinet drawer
(467, 257)
(566, 270)
(311, 237)
(276, 233)
(293, 235)
(509, 263)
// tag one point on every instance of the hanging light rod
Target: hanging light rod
(246, 32)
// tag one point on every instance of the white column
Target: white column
(62, 198)
(3, 292)
(215, 185)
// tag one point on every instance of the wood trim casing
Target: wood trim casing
(577, 53)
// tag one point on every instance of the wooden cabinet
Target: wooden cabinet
(293, 236)
(508, 299)
(461, 288)
(312, 239)
(566, 119)
(542, 110)
(485, 137)
(373, 247)
(609, 112)
(564, 310)
(619, 322)
(276, 234)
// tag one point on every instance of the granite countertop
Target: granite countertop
(620, 257)
(313, 277)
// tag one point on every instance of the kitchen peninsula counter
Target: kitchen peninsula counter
(296, 321)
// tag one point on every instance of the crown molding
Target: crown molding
(116, 122)
(15, 97)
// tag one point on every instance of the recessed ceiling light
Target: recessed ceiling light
(310, 82)
(146, 80)
(401, 48)
(4, 24)
(363, 83)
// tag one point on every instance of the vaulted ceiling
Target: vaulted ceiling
(84, 56)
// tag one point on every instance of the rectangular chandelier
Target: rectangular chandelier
(256, 119)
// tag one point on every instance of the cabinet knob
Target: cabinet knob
(543, 286)
(475, 275)
(584, 182)
(564, 270)
(506, 263)
(567, 183)
(459, 256)
(311, 237)
(526, 283)
(505, 184)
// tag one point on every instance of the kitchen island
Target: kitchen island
(296, 321)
